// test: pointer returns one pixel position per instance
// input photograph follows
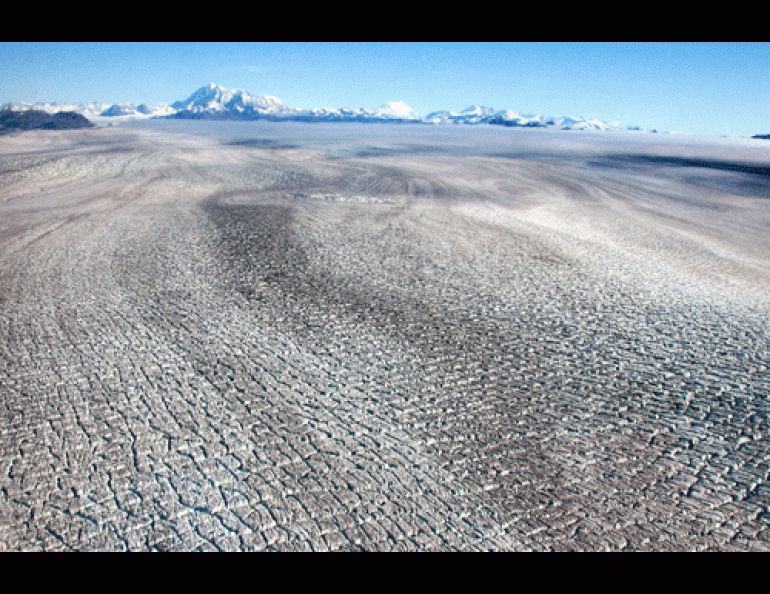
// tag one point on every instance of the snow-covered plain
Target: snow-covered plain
(291, 336)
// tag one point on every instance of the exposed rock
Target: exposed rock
(39, 120)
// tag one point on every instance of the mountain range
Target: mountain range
(214, 102)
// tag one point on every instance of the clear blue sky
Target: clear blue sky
(699, 87)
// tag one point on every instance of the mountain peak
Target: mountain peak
(479, 110)
(397, 109)
(216, 101)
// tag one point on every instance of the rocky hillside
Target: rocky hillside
(39, 120)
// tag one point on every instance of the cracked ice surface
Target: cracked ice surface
(382, 338)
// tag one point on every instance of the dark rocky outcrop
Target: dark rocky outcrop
(40, 120)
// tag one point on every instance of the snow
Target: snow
(87, 109)
(397, 109)
(216, 101)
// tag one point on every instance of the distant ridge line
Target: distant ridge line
(218, 103)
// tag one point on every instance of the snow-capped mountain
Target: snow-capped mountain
(216, 102)
(98, 112)
(395, 110)
(89, 110)
(475, 114)
(478, 114)
(391, 111)
(132, 111)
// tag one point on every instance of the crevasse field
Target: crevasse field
(279, 336)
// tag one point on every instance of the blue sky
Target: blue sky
(701, 87)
